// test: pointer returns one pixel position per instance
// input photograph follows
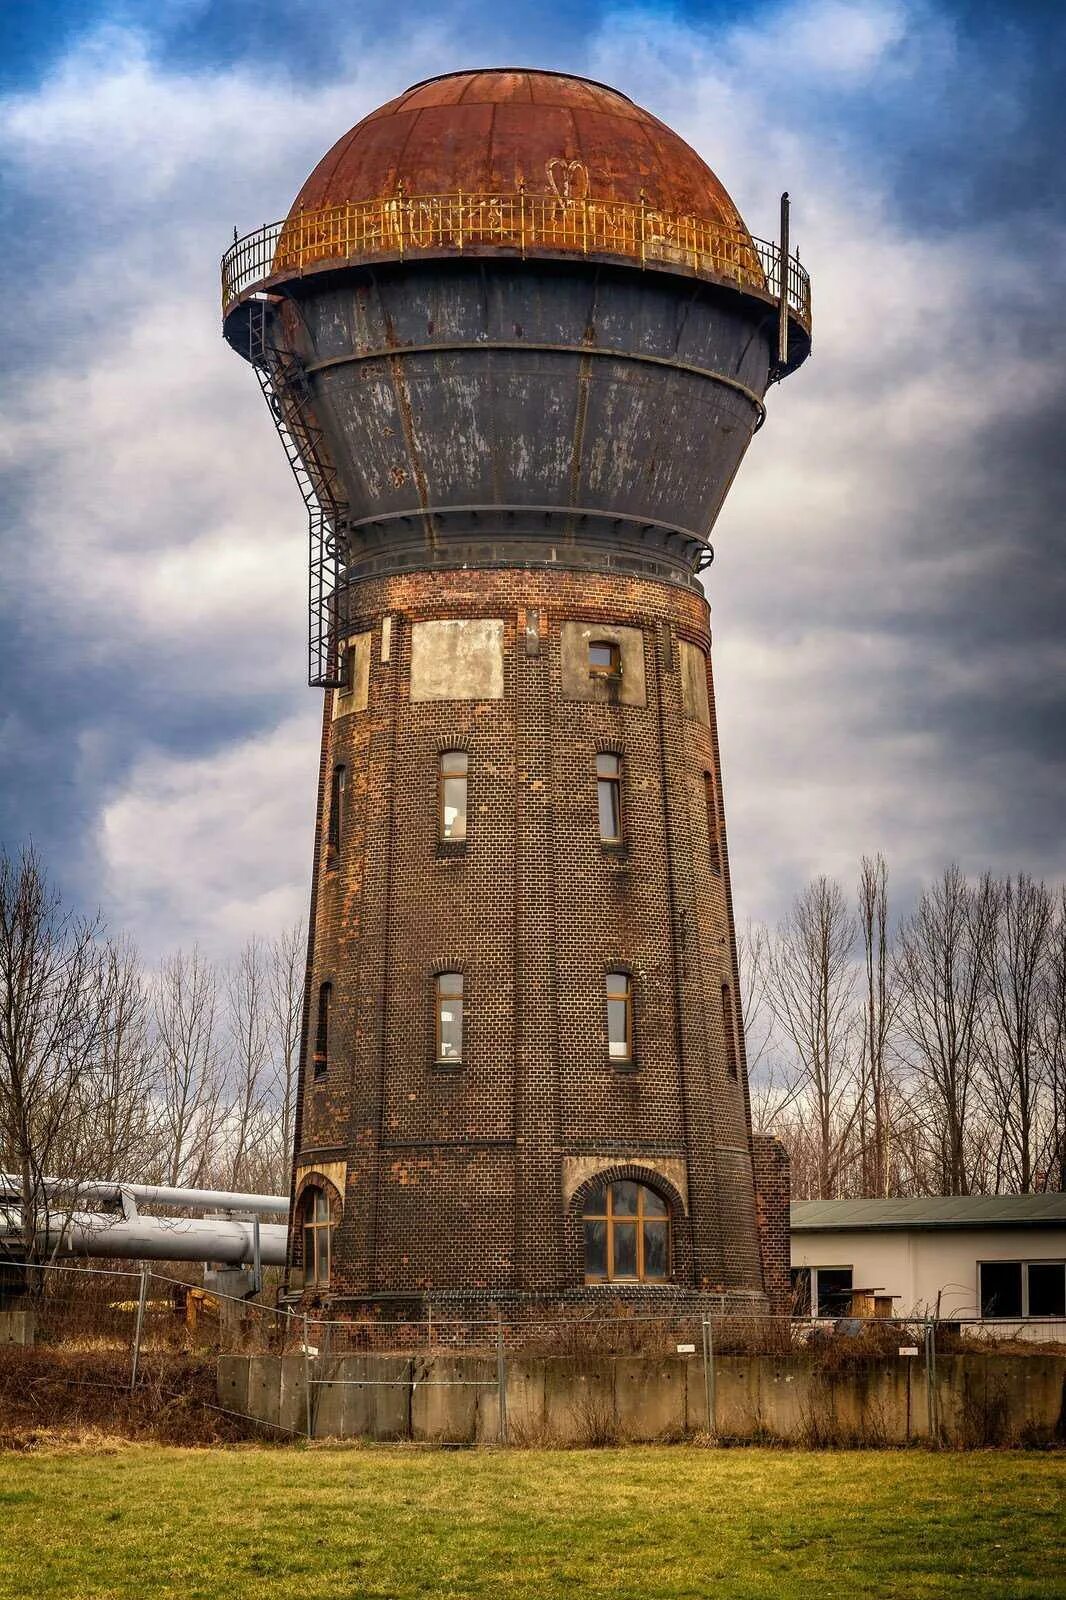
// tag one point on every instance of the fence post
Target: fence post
(139, 1327)
(930, 1381)
(307, 1379)
(501, 1378)
(708, 1374)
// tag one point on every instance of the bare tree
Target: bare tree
(876, 1089)
(49, 1028)
(1051, 1043)
(117, 1104)
(247, 1125)
(939, 968)
(1021, 922)
(288, 958)
(190, 1078)
(811, 993)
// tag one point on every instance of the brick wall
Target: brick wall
(772, 1194)
(454, 1176)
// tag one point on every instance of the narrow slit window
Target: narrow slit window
(609, 797)
(714, 849)
(605, 658)
(317, 1230)
(449, 1017)
(321, 1054)
(619, 1016)
(336, 808)
(452, 795)
(729, 1030)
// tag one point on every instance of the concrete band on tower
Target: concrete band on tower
(516, 338)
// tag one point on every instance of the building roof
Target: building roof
(933, 1211)
(496, 131)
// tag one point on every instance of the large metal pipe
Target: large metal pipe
(154, 1194)
(141, 1238)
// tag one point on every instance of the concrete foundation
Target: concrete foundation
(18, 1326)
(979, 1399)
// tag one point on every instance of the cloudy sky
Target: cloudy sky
(888, 591)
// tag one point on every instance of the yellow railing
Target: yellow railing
(431, 224)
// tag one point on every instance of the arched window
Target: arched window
(605, 659)
(451, 795)
(317, 1230)
(448, 1006)
(336, 809)
(619, 1016)
(627, 1235)
(609, 797)
(714, 848)
(321, 1055)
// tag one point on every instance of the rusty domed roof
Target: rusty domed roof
(493, 131)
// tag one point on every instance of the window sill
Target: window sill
(627, 1068)
(451, 849)
(615, 850)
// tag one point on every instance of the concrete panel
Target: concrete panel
(579, 1402)
(356, 696)
(628, 689)
(446, 1393)
(292, 1404)
(233, 1383)
(18, 1326)
(526, 1384)
(650, 1396)
(457, 660)
(694, 682)
(264, 1388)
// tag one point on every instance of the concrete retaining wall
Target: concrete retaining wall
(980, 1399)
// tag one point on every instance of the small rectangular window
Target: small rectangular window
(605, 659)
(729, 1031)
(452, 795)
(619, 1016)
(1047, 1289)
(834, 1291)
(336, 809)
(609, 797)
(1001, 1288)
(449, 1017)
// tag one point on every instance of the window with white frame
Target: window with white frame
(1023, 1288)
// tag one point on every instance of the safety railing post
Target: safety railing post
(307, 1378)
(930, 1380)
(708, 1375)
(138, 1327)
(501, 1378)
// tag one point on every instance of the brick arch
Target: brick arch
(313, 1179)
(681, 1271)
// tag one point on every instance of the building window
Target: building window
(825, 1291)
(609, 797)
(619, 1016)
(627, 1235)
(714, 849)
(451, 795)
(336, 809)
(317, 1228)
(729, 1031)
(605, 659)
(449, 1017)
(1023, 1288)
(321, 1055)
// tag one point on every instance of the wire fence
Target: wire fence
(138, 1330)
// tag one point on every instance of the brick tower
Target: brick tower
(516, 338)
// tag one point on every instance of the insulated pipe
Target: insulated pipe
(155, 1194)
(141, 1238)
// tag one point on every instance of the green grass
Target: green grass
(622, 1524)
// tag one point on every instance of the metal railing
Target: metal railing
(402, 226)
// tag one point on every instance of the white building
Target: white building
(1001, 1257)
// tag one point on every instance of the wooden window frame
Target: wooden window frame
(613, 668)
(320, 1056)
(442, 779)
(630, 1220)
(614, 783)
(317, 1232)
(439, 997)
(630, 1055)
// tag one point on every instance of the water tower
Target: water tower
(515, 338)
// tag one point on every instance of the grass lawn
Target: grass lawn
(629, 1524)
